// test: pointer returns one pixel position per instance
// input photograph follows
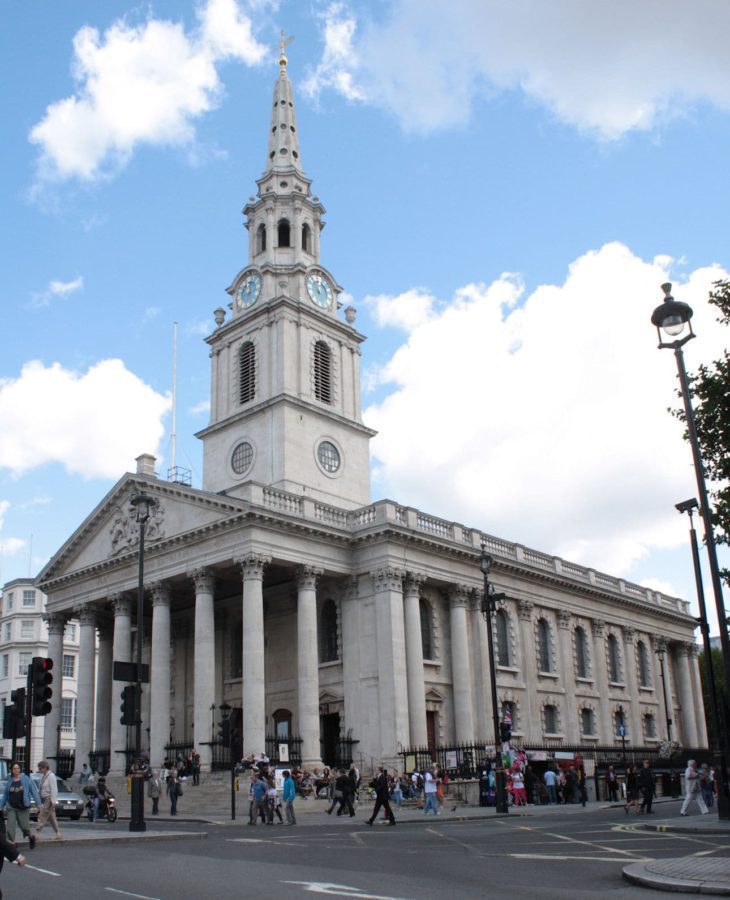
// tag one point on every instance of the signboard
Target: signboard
(284, 753)
(127, 671)
(536, 755)
(450, 758)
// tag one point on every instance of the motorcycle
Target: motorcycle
(107, 809)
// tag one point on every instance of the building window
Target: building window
(643, 659)
(282, 724)
(6, 665)
(247, 372)
(24, 660)
(649, 726)
(8, 631)
(614, 659)
(328, 457)
(261, 239)
(283, 230)
(10, 601)
(503, 655)
(27, 628)
(28, 598)
(543, 645)
(241, 458)
(68, 713)
(426, 630)
(581, 653)
(70, 632)
(69, 666)
(587, 721)
(551, 719)
(328, 632)
(306, 238)
(619, 719)
(322, 372)
(509, 714)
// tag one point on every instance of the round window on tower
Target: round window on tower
(241, 458)
(328, 456)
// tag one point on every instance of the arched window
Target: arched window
(322, 372)
(247, 372)
(503, 657)
(643, 660)
(649, 726)
(509, 714)
(551, 719)
(328, 632)
(619, 721)
(306, 238)
(587, 721)
(284, 233)
(581, 653)
(282, 723)
(543, 645)
(614, 659)
(261, 239)
(426, 630)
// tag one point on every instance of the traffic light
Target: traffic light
(224, 732)
(41, 680)
(14, 719)
(129, 705)
(505, 732)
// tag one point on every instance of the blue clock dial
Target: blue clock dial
(319, 289)
(248, 290)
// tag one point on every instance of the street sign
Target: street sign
(127, 671)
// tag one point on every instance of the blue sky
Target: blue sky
(506, 188)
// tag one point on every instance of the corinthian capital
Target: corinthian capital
(307, 577)
(413, 582)
(86, 614)
(387, 579)
(56, 623)
(203, 579)
(459, 595)
(253, 565)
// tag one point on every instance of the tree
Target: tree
(710, 390)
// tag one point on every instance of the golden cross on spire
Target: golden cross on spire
(282, 51)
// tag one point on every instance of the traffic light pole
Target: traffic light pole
(28, 718)
(136, 821)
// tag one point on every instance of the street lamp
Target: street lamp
(143, 505)
(673, 320)
(489, 603)
(660, 652)
(227, 739)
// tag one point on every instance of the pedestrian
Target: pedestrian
(174, 790)
(17, 793)
(647, 787)
(632, 790)
(417, 784)
(397, 793)
(380, 785)
(259, 805)
(154, 789)
(48, 790)
(518, 788)
(344, 786)
(195, 763)
(692, 789)
(290, 792)
(706, 785)
(84, 774)
(273, 803)
(611, 779)
(430, 791)
(9, 851)
(550, 779)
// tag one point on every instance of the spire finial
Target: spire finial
(282, 52)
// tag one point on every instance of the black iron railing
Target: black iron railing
(340, 755)
(99, 761)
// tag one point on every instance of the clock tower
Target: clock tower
(285, 386)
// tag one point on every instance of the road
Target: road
(551, 857)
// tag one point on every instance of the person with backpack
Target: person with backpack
(416, 784)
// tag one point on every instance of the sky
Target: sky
(507, 186)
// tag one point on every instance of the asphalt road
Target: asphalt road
(552, 857)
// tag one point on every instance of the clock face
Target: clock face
(248, 290)
(319, 290)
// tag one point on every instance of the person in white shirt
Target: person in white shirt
(692, 789)
(430, 789)
(48, 789)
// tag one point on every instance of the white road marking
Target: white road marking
(546, 856)
(339, 890)
(128, 894)
(43, 871)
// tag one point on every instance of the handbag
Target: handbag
(178, 790)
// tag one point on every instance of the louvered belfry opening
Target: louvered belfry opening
(247, 372)
(322, 372)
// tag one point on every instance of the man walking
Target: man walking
(550, 779)
(430, 790)
(290, 792)
(647, 786)
(48, 789)
(380, 786)
(154, 789)
(692, 789)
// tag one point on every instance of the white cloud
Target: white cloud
(604, 67)
(663, 587)
(406, 311)
(542, 417)
(11, 546)
(139, 84)
(57, 289)
(200, 408)
(93, 423)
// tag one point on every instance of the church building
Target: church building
(281, 590)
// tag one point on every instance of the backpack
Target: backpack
(419, 782)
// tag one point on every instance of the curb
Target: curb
(640, 874)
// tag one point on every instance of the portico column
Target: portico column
(414, 661)
(204, 662)
(160, 674)
(122, 651)
(565, 631)
(105, 694)
(601, 678)
(85, 703)
(56, 626)
(481, 675)
(529, 669)
(699, 702)
(460, 667)
(254, 680)
(636, 734)
(689, 728)
(391, 663)
(308, 665)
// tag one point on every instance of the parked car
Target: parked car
(70, 804)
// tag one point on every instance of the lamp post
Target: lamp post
(673, 320)
(489, 603)
(660, 652)
(143, 505)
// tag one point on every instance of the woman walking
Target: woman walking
(15, 799)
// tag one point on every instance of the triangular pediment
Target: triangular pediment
(110, 533)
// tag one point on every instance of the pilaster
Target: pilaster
(308, 665)
(460, 663)
(254, 680)
(204, 660)
(414, 660)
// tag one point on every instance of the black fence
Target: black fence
(64, 763)
(341, 755)
(99, 761)
(176, 750)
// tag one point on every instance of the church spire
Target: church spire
(283, 155)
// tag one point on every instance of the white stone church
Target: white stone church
(281, 589)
